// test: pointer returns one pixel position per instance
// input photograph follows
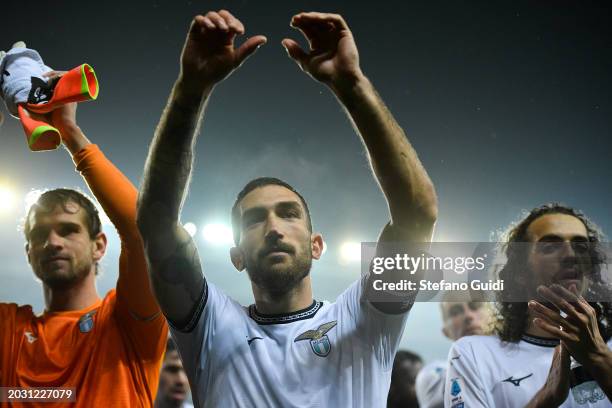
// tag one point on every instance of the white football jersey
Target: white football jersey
(328, 355)
(429, 385)
(483, 371)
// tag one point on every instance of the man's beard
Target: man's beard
(65, 279)
(280, 279)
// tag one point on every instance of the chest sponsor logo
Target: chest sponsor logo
(86, 322)
(319, 342)
(516, 381)
(30, 337)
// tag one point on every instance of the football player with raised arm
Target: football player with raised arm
(287, 349)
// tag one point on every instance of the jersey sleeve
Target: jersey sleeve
(463, 386)
(382, 332)
(136, 308)
(213, 314)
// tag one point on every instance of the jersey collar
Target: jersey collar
(540, 341)
(283, 318)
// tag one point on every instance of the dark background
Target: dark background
(507, 103)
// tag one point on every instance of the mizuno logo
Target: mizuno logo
(516, 381)
(253, 339)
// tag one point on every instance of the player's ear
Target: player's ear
(99, 246)
(27, 250)
(316, 245)
(237, 258)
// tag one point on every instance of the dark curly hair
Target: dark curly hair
(512, 317)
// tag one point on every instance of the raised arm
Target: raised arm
(333, 59)
(208, 57)
(117, 196)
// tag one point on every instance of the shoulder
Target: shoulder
(474, 342)
(15, 309)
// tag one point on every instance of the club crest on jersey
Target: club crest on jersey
(86, 322)
(319, 342)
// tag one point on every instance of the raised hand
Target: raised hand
(333, 57)
(209, 54)
(578, 331)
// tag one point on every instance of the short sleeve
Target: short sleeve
(382, 332)
(463, 386)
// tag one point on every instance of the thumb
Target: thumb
(249, 47)
(295, 52)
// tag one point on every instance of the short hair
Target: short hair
(257, 183)
(49, 200)
(170, 345)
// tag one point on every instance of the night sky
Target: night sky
(508, 105)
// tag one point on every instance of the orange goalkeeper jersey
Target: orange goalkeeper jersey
(110, 353)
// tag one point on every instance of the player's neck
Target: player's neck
(296, 299)
(76, 297)
(533, 330)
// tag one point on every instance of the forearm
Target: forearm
(168, 166)
(543, 400)
(113, 190)
(402, 177)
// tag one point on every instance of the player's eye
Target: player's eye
(37, 235)
(580, 247)
(66, 230)
(455, 311)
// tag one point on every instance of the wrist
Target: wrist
(599, 360)
(191, 93)
(350, 85)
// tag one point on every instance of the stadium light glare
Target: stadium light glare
(191, 228)
(351, 251)
(7, 199)
(218, 234)
(324, 250)
(30, 198)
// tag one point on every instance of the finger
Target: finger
(558, 301)
(581, 310)
(249, 47)
(568, 301)
(218, 21)
(314, 17)
(208, 24)
(551, 316)
(555, 331)
(295, 51)
(582, 303)
(232, 22)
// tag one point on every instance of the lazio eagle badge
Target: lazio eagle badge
(319, 342)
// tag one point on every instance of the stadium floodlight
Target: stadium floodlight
(218, 234)
(191, 228)
(350, 251)
(7, 199)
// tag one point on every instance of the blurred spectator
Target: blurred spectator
(405, 369)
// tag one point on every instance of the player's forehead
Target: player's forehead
(69, 212)
(564, 226)
(268, 197)
(172, 359)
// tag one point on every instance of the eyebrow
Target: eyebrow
(557, 238)
(283, 205)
